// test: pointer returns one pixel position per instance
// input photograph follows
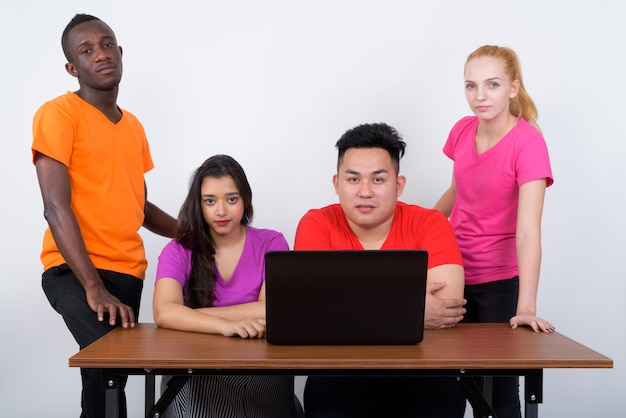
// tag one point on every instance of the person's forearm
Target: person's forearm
(56, 194)
(529, 262)
(444, 296)
(205, 320)
(453, 276)
(446, 202)
(182, 318)
(528, 244)
(159, 222)
(68, 238)
(237, 312)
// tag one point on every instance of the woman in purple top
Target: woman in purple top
(210, 279)
(495, 201)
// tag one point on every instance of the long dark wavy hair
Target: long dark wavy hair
(194, 233)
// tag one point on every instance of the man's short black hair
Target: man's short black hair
(76, 20)
(373, 135)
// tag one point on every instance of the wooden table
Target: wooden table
(464, 351)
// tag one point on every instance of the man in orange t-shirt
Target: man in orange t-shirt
(370, 217)
(91, 156)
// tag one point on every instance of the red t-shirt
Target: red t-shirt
(413, 228)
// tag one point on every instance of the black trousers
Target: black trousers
(375, 397)
(496, 302)
(67, 296)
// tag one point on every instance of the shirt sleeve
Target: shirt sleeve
(440, 241)
(278, 243)
(313, 233)
(424, 229)
(53, 133)
(174, 263)
(458, 130)
(533, 161)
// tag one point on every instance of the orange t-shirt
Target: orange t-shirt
(106, 164)
(413, 228)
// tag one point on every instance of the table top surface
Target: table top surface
(466, 346)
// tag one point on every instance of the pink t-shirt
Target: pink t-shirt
(484, 217)
(245, 284)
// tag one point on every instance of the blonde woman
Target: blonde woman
(495, 201)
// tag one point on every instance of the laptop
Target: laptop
(345, 297)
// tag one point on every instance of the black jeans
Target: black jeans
(67, 296)
(401, 396)
(496, 302)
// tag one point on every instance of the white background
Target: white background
(274, 84)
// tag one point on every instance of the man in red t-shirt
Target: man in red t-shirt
(370, 217)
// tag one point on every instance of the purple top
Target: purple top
(245, 284)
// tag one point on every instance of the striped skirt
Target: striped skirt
(236, 397)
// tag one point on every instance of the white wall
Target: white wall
(274, 84)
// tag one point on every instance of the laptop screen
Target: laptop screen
(345, 297)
